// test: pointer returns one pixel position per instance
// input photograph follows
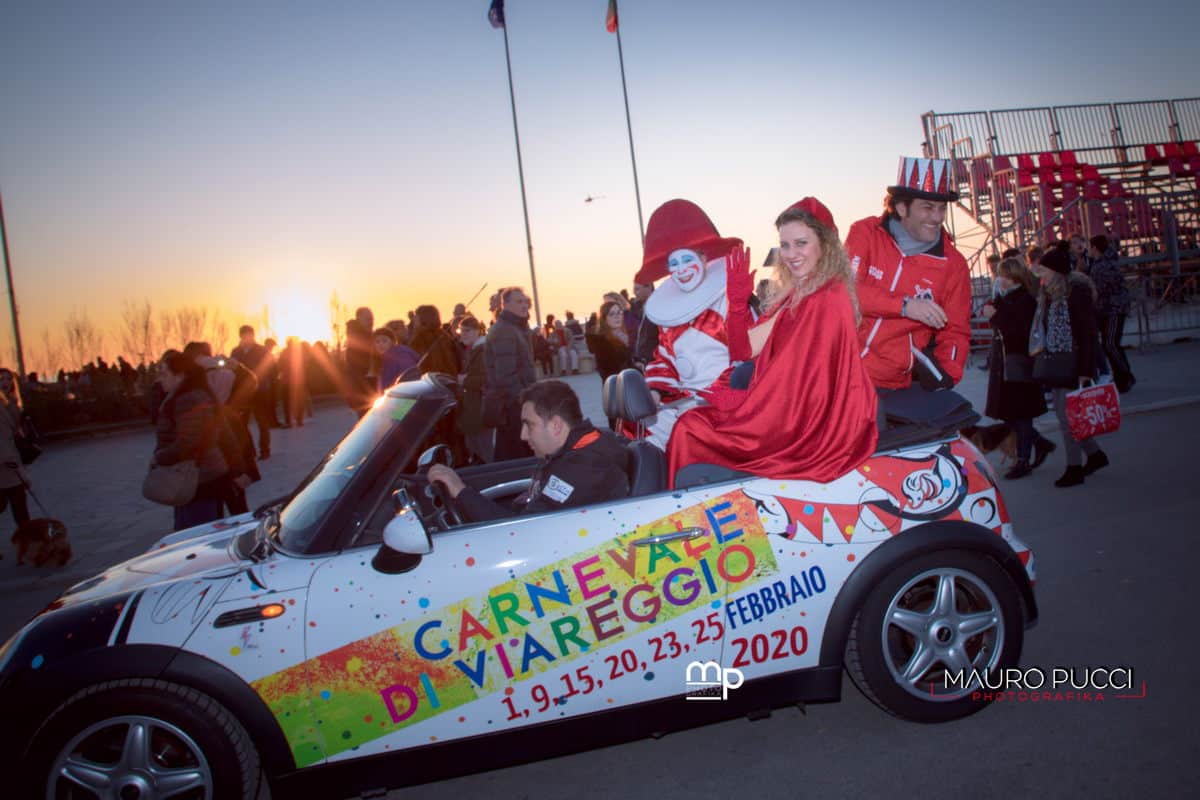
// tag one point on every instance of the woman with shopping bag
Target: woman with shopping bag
(1063, 343)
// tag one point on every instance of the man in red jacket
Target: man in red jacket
(914, 287)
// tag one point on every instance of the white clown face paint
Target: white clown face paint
(687, 268)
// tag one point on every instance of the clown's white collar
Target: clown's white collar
(670, 305)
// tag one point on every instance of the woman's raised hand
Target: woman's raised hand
(739, 279)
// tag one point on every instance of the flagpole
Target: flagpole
(629, 127)
(537, 309)
(12, 296)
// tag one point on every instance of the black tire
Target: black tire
(187, 730)
(883, 663)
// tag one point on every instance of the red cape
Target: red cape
(809, 412)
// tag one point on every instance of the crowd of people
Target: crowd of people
(794, 377)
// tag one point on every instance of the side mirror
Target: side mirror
(405, 540)
(405, 534)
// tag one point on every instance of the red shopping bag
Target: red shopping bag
(1093, 411)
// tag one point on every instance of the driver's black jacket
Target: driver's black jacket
(589, 468)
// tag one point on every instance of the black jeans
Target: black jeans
(1112, 326)
(16, 496)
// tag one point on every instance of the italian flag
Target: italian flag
(610, 22)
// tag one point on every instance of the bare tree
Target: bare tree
(190, 323)
(338, 312)
(218, 334)
(84, 339)
(137, 332)
(49, 357)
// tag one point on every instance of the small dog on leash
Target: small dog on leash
(46, 538)
(1000, 437)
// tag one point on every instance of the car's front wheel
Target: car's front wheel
(144, 739)
(932, 631)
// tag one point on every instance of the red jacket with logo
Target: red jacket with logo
(885, 276)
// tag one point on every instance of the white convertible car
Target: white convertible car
(356, 636)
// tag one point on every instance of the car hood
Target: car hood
(198, 555)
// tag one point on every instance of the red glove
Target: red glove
(739, 285)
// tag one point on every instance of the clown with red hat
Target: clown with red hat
(689, 308)
(914, 287)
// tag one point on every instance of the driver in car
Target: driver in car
(580, 463)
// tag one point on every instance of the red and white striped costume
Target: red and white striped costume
(691, 357)
(693, 348)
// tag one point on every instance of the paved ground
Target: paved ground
(94, 485)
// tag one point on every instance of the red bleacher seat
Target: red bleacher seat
(1152, 154)
(1047, 160)
(1115, 188)
(1171, 150)
(1091, 190)
(1070, 175)
(1046, 176)
(1001, 162)
(1190, 149)
(1090, 173)
(1025, 162)
(1067, 158)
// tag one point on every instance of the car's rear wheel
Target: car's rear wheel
(930, 630)
(144, 740)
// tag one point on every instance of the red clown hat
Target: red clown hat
(925, 179)
(679, 225)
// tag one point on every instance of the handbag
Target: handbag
(173, 485)
(1018, 367)
(1059, 370)
(1093, 411)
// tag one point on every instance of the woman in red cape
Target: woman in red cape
(809, 412)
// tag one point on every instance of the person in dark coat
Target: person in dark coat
(188, 429)
(435, 346)
(470, 418)
(1015, 402)
(509, 360)
(1065, 321)
(610, 343)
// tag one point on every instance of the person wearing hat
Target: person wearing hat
(810, 409)
(1065, 323)
(689, 309)
(914, 287)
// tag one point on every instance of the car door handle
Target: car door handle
(682, 533)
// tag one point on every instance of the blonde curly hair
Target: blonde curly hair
(834, 264)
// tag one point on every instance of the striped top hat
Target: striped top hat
(924, 179)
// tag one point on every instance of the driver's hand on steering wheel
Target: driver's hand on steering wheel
(448, 477)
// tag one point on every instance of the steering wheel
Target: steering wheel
(441, 454)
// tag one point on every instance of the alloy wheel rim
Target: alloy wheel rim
(943, 630)
(131, 757)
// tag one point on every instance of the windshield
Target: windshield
(303, 515)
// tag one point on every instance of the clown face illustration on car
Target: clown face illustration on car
(353, 637)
